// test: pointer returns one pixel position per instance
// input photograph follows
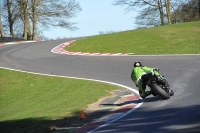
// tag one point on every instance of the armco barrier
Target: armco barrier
(10, 39)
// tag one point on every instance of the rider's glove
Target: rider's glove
(156, 69)
(152, 72)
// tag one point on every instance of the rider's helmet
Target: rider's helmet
(137, 64)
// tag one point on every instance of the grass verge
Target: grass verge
(180, 38)
(30, 99)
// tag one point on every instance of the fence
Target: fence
(10, 39)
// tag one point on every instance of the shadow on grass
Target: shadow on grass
(43, 125)
(170, 119)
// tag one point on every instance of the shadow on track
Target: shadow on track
(172, 119)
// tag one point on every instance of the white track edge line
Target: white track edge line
(116, 119)
(75, 78)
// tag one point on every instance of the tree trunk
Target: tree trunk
(161, 12)
(24, 16)
(11, 21)
(29, 35)
(167, 4)
(2, 33)
(34, 19)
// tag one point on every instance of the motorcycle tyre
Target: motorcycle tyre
(164, 95)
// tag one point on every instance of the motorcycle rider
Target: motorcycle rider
(141, 74)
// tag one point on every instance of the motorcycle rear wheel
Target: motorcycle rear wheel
(160, 91)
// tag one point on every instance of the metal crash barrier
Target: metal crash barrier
(10, 39)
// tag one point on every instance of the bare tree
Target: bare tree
(53, 13)
(12, 14)
(160, 8)
(58, 13)
(34, 14)
(149, 17)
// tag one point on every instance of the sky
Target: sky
(96, 16)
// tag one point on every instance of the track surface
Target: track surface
(181, 113)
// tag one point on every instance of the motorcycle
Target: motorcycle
(159, 86)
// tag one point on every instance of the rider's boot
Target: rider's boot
(148, 93)
(153, 93)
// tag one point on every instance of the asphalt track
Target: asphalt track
(181, 113)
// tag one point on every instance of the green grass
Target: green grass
(183, 38)
(35, 98)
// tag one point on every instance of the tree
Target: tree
(151, 9)
(199, 9)
(34, 14)
(57, 12)
(54, 13)
(10, 16)
(186, 12)
(2, 33)
(12, 11)
(148, 18)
